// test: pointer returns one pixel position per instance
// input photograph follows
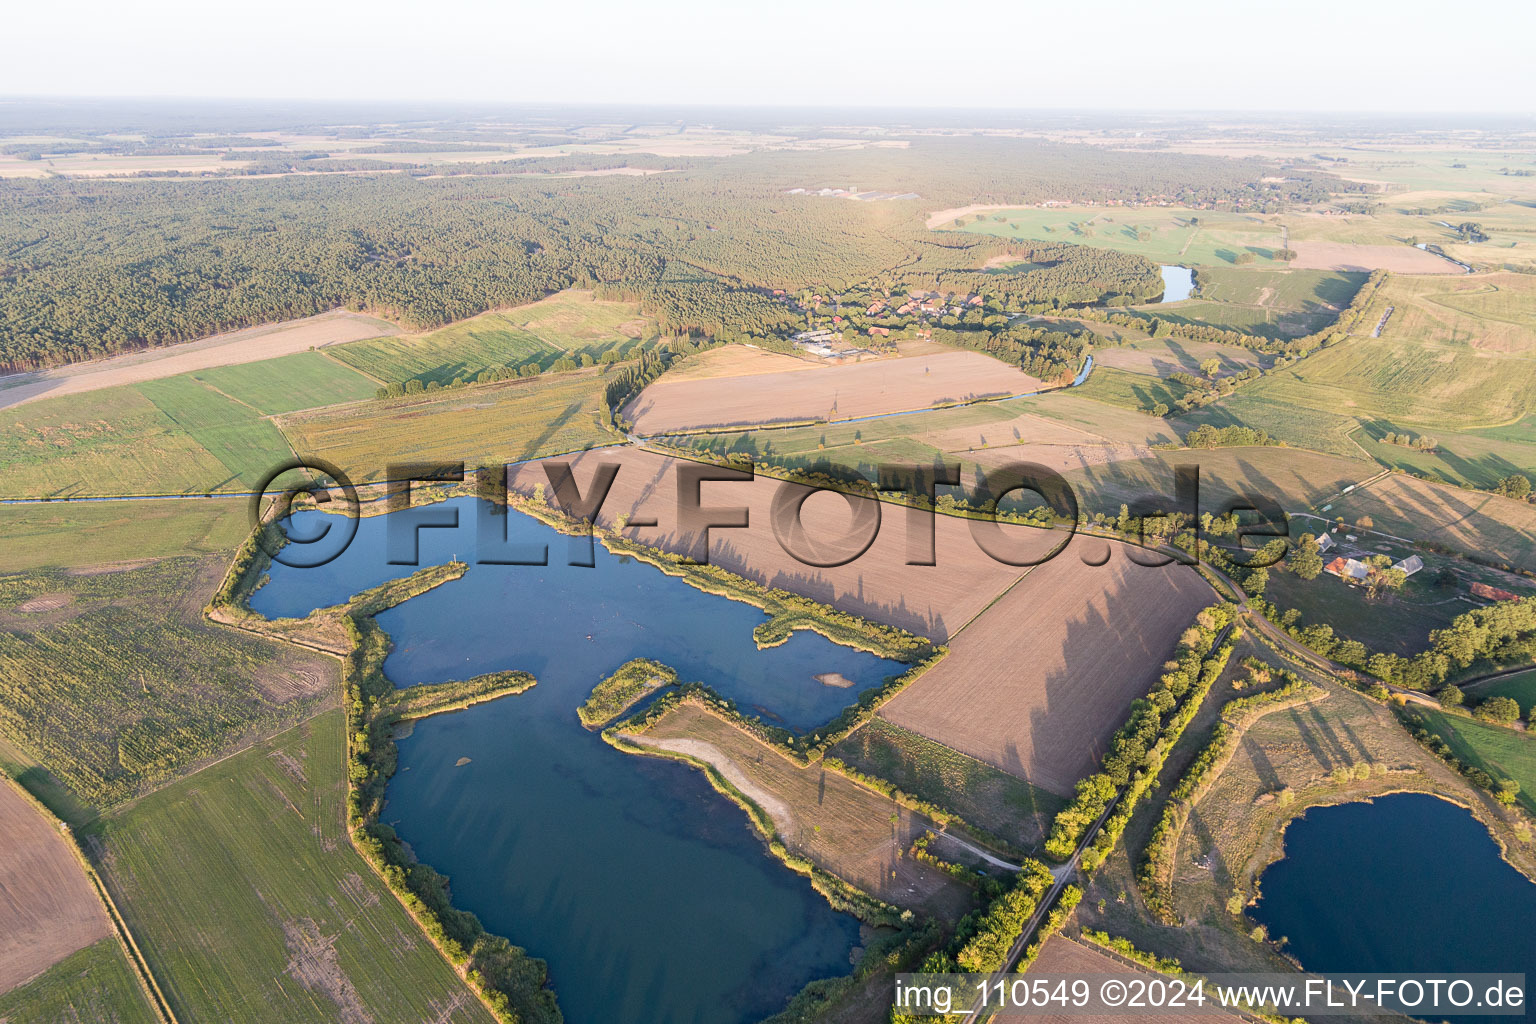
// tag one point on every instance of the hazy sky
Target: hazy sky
(1407, 55)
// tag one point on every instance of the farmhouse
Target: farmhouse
(1324, 543)
(1410, 565)
(1348, 569)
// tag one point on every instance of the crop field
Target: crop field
(571, 323)
(485, 424)
(1003, 805)
(1162, 357)
(932, 601)
(303, 380)
(246, 444)
(114, 681)
(80, 533)
(1161, 234)
(250, 345)
(1348, 258)
(858, 834)
(1498, 750)
(840, 392)
(1063, 956)
(48, 908)
(245, 894)
(106, 442)
(1485, 525)
(1521, 687)
(92, 986)
(1258, 320)
(1041, 680)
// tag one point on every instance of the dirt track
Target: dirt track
(250, 345)
(48, 908)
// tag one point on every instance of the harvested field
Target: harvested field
(250, 345)
(931, 600)
(1041, 680)
(840, 392)
(735, 361)
(1063, 956)
(1400, 259)
(853, 832)
(48, 908)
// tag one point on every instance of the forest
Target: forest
(94, 267)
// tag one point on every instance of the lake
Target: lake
(644, 889)
(1405, 883)
(1178, 283)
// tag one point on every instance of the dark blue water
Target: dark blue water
(645, 890)
(584, 622)
(1405, 883)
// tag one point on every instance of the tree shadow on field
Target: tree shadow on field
(1217, 863)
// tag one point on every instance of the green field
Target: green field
(1498, 750)
(1255, 405)
(1161, 234)
(304, 380)
(1522, 687)
(92, 986)
(114, 681)
(1127, 390)
(1477, 459)
(1397, 624)
(480, 425)
(246, 444)
(570, 323)
(1305, 291)
(245, 894)
(77, 533)
(1003, 805)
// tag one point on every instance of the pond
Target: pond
(1404, 883)
(1178, 283)
(644, 889)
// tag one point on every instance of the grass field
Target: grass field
(246, 444)
(1163, 357)
(1005, 806)
(1478, 459)
(81, 533)
(854, 832)
(571, 323)
(1161, 234)
(485, 424)
(250, 904)
(303, 380)
(1498, 750)
(1138, 392)
(1397, 624)
(114, 680)
(93, 986)
(1262, 407)
(1521, 687)
(1038, 683)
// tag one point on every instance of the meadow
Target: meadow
(1161, 234)
(83, 533)
(1521, 687)
(1500, 751)
(486, 424)
(94, 985)
(115, 682)
(1137, 392)
(570, 323)
(1396, 623)
(1495, 529)
(293, 927)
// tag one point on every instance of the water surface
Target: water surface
(644, 889)
(1178, 283)
(1405, 883)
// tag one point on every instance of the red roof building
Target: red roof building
(1483, 590)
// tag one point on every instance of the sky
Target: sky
(1339, 55)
